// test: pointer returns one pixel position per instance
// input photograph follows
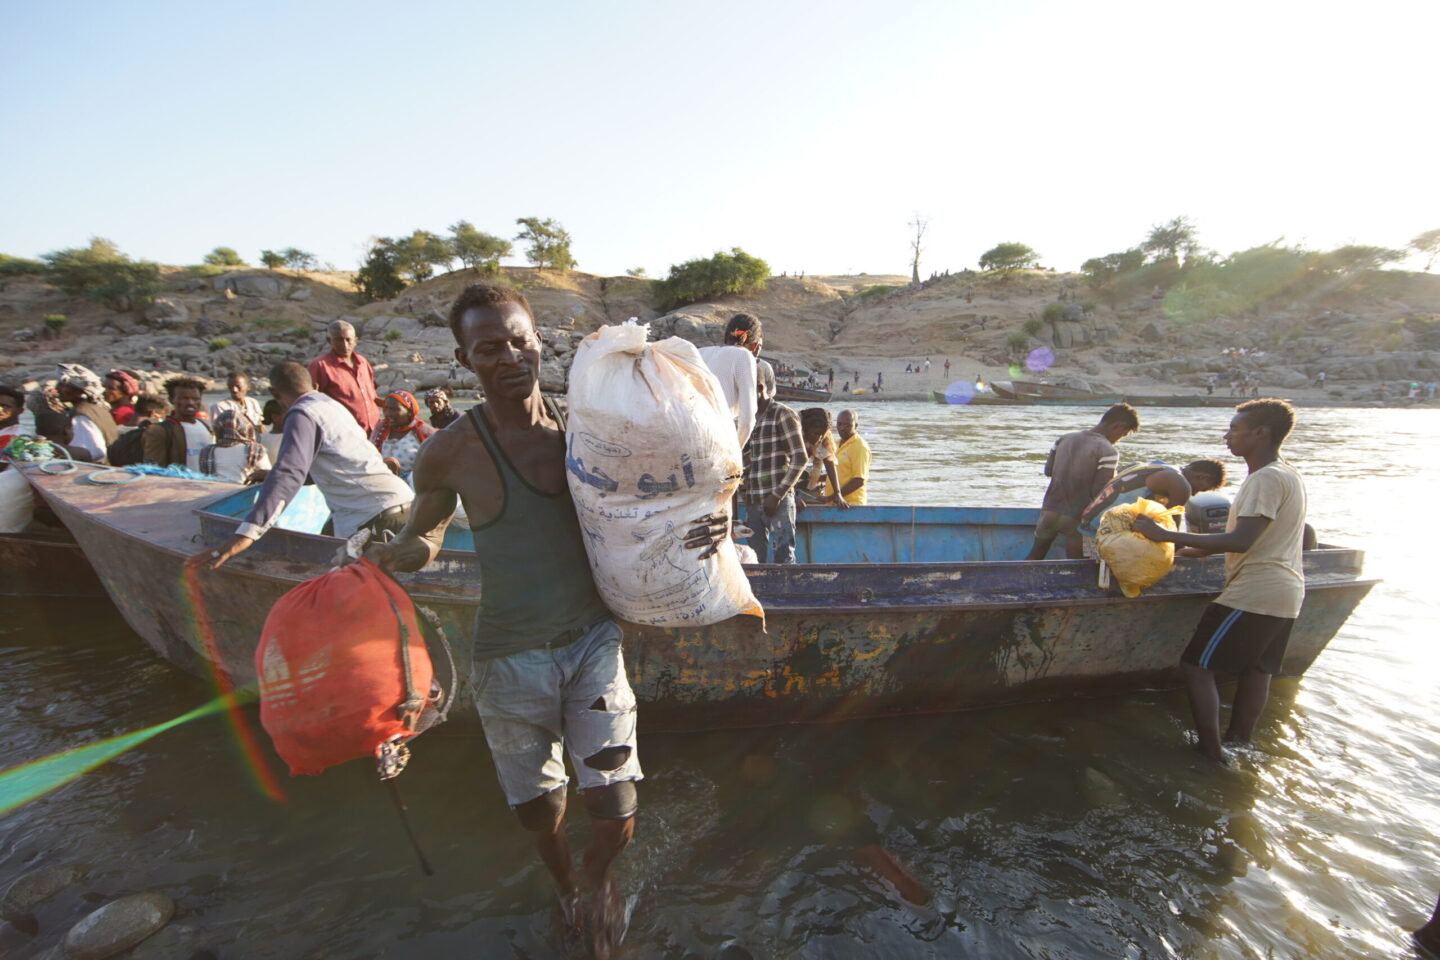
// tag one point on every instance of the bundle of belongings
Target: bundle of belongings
(650, 449)
(1134, 561)
(349, 667)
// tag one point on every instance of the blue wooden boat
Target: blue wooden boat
(892, 610)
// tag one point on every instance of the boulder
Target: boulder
(118, 926)
(35, 887)
(259, 285)
(1062, 335)
(699, 331)
(166, 313)
(170, 343)
(1150, 333)
(252, 303)
(6, 362)
(189, 286)
(434, 318)
(178, 941)
(300, 295)
(207, 327)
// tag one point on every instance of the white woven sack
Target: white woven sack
(651, 448)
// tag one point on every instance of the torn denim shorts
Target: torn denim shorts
(536, 703)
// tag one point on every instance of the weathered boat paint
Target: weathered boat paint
(886, 626)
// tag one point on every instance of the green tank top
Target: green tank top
(535, 581)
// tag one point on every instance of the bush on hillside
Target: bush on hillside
(1008, 257)
(100, 272)
(378, 277)
(1017, 341)
(224, 257)
(297, 259)
(1053, 313)
(696, 280)
(272, 259)
(17, 266)
(54, 322)
(218, 343)
(1034, 325)
(392, 335)
(875, 291)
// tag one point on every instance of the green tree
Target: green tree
(696, 280)
(549, 243)
(272, 259)
(1007, 257)
(224, 257)
(635, 272)
(481, 252)
(1101, 270)
(102, 273)
(1358, 258)
(15, 266)
(378, 277)
(1427, 243)
(297, 259)
(417, 255)
(1168, 240)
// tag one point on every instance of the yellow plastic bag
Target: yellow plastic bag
(1134, 561)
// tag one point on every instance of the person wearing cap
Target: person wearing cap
(120, 392)
(91, 424)
(441, 413)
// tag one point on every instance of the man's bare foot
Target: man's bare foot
(608, 922)
(571, 910)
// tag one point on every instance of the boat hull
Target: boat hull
(41, 565)
(841, 640)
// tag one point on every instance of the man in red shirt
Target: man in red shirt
(345, 376)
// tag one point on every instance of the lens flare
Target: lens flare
(245, 739)
(19, 785)
(1015, 370)
(960, 392)
(1040, 360)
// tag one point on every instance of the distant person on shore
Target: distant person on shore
(774, 460)
(441, 413)
(235, 455)
(323, 442)
(1245, 631)
(830, 382)
(1320, 379)
(947, 368)
(1166, 485)
(733, 364)
(346, 377)
(820, 447)
(120, 392)
(852, 462)
(879, 380)
(183, 434)
(1079, 466)
(239, 400)
(92, 426)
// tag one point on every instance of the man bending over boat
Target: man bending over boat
(322, 441)
(1171, 486)
(1079, 466)
(548, 671)
(1245, 631)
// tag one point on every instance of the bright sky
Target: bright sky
(806, 133)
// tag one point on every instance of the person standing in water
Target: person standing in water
(1245, 631)
(548, 673)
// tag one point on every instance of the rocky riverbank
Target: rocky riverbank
(1370, 350)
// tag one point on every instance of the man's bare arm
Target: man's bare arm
(1247, 531)
(430, 512)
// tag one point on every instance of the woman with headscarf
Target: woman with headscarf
(120, 392)
(400, 432)
(441, 413)
(91, 424)
(235, 455)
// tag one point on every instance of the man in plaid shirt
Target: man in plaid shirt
(774, 460)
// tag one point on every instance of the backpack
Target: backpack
(128, 448)
(346, 668)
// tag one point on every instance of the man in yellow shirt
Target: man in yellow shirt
(852, 460)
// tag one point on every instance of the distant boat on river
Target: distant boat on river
(891, 611)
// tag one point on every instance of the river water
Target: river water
(1085, 829)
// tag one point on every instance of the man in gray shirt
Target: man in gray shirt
(322, 441)
(1079, 466)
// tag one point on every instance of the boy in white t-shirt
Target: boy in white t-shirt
(1245, 631)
